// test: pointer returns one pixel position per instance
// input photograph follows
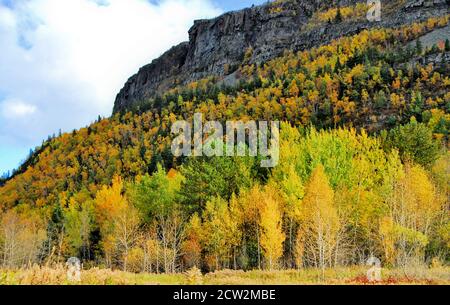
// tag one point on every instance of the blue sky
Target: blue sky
(237, 4)
(63, 62)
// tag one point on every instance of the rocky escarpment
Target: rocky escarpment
(217, 47)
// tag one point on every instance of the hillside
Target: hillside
(365, 120)
(218, 47)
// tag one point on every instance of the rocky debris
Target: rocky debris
(438, 60)
(434, 37)
(424, 3)
(217, 46)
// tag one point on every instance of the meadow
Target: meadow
(337, 276)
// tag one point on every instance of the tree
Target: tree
(340, 146)
(419, 47)
(109, 205)
(415, 143)
(158, 199)
(338, 17)
(220, 231)
(55, 232)
(126, 232)
(171, 233)
(286, 179)
(157, 194)
(21, 239)
(207, 178)
(78, 224)
(119, 222)
(272, 236)
(293, 89)
(414, 208)
(319, 223)
(192, 246)
(152, 250)
(247, 210)
(292, 191)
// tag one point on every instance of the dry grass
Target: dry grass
(338, 276)
(348, 276)
(57, 276)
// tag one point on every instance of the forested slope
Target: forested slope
(364, 165)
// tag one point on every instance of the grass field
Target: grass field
(347, 276)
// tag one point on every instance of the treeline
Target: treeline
(337, 197)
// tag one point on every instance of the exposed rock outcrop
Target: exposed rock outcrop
(217, 46)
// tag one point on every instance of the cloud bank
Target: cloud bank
(63, 62)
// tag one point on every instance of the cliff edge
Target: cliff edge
(217, 47)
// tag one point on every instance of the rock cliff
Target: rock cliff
(216, 47)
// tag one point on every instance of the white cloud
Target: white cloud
(14, 108)
(63, 62)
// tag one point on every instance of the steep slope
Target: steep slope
(217, 47)
(369, 80)
(114, 195)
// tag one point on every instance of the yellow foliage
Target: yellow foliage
(319, 221)
(109, 201)
(272, 235)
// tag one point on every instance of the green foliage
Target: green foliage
(156, 194)
(78, 224)
(207, 178)
(415, 143)
(419, 47)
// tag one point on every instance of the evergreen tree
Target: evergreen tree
(419, 47)
(338, 17)
(415, 143)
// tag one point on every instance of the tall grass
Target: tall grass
(349, 276)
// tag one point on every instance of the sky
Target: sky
(63, 62)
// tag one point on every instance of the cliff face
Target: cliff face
(217, 47)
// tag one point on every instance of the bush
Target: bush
(194, 276)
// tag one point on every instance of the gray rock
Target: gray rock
(222, 42)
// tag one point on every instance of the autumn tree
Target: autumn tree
(109, 204)
(220, 233)
(109, 201)
(414, 208)
(21, 238)
(289, 182)
(126, 233)
(192, 246)
(320, 223)
(247, 209)
(272, 235)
